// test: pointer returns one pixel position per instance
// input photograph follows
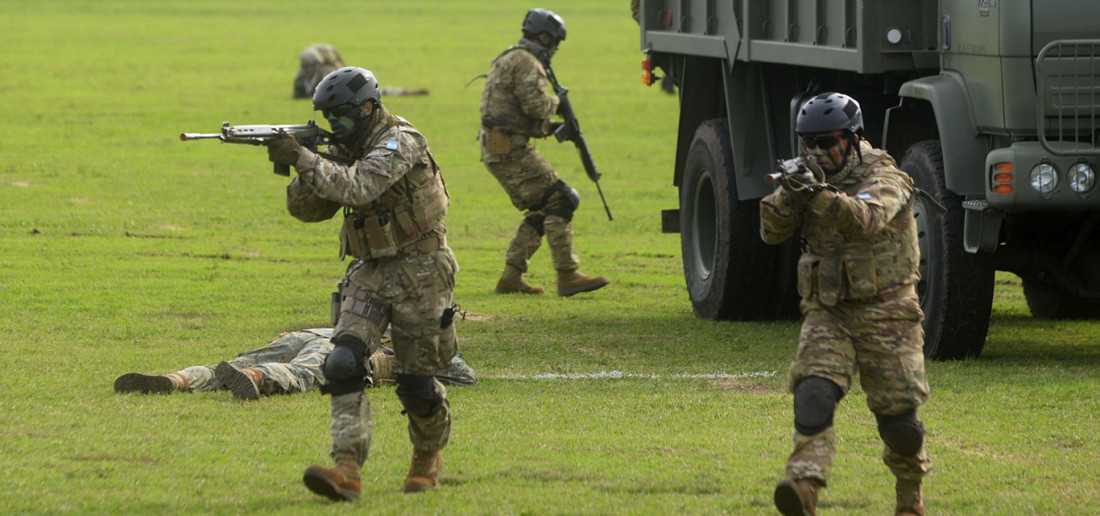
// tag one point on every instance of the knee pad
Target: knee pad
(418, 394)
(344, 366)
(564, 203)
(903, 432)
(536, 222)
(815, 401)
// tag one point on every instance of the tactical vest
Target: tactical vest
(841, 265)
(405, 215)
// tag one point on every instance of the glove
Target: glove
(802, 186)
(283, 150)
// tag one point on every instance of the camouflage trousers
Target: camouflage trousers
(292, 363)
(883, 342)
(410, 293)
(527, 239)
(527, 177)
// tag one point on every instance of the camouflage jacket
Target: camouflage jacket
(860, 239)
(392, 180)
(515, 94)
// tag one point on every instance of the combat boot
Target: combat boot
(424, 472)
(910, 500)
(512, 282)
(340, 484)
(150, 383)
(797, 497)
(573, 282)
(244, 382)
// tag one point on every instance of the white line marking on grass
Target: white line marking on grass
(619, 374)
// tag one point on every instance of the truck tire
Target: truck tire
(956, 287)
(1049, 302)
(731, 273)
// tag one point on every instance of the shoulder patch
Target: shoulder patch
(865, 196)
(392, 145)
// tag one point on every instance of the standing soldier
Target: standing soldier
(515, 106)
(381, 173)
(857, 277)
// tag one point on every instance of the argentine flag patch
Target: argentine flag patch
(865, 196)
(391, 145)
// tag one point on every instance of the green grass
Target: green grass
(123, 249)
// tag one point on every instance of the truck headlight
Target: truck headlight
(1081, 178)
(1044, 178)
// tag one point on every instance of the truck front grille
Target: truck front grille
(1068, 73)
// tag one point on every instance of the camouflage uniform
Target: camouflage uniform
(394, 201)
(317, 61)
(857, 277)
(291, 363)
(515, 106)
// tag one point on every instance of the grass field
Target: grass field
(123, 249)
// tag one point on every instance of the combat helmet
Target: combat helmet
(829, 112)
(540, 20)
(350, 85)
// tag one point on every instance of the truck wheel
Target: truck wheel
(1049, 302)
(731, 273)
(956, 287)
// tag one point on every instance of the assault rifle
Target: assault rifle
(309, 134)
(571, 130)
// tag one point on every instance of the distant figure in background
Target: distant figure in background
(292, 363)
(318, 60)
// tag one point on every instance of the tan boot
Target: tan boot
(424, 472)
(340, 484)
(573, 282)
(512, 282)
(150, 383)
(797, 497)
(244, 383)
(910, 500)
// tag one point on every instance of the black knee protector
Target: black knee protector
(903, 433)
(815, 401)
(344, 366)
(418, 394)
(536, 222)
(564, 203)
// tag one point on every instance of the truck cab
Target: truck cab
(992, 107)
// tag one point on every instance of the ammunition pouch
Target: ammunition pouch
(500, 139)
(382, 234)
(865, 274)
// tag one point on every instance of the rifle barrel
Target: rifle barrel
(198, 136)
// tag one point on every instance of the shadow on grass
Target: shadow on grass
(1022, 340)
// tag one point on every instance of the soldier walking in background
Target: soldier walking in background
(857, 277)
(515, 106)
(382, 176)
(287, 365)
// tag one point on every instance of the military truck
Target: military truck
(992, 106)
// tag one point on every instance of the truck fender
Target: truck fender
(964, 150)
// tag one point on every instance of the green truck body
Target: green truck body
(992, 106)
